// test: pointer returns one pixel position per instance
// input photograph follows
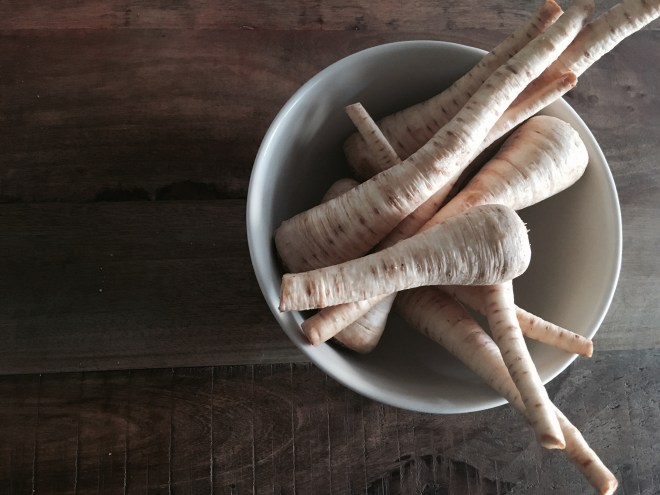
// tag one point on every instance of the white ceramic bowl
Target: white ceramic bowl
(575, 236)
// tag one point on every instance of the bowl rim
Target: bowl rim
(259, 171)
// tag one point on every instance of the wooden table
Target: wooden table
(136, 351)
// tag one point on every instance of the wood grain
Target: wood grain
(264, 15)
(289, 428)
(189, 97)
(129, 129)
(120, 285)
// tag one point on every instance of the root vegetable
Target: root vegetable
(587, 461)
(531, 325)
(485, 245)
(349, 226)
(595, 40)
(380, 149)
(331, 321)
(503, 323)
(524, 107)
(409, 129)
(364, 334)
(544, 156)
(605, 32)
(518, 112)
(440, 318)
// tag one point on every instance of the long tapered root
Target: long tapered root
(586, 460)
(605, 32)
(499, 251)
(328, 322)
(409, 129)
(544, 156)
(329, 233)
(380, 148)
(509, 338)
(531, 325)
(436, 315)
(364, 334)
(538, 329)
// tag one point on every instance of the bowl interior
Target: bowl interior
(575, 236)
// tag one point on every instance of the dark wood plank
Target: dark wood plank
(20, 403)
(274, 438)
(120, 285)
(149, 417)
(264, 15)
(121, 122)
(235, 431)
(142, 114)
(57, 434)
(289, 428)
(102, 439)
(191, 420)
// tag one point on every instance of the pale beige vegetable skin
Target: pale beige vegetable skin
(543, 157)
(596, 39)
(600, 36)
(328, 322)
(517, 113)
(364, 334)
(334, 320)
(440, 318)
(380, 150)
(409, 129)
(552, 157)
(359, 336)
(349, 226)
(485, 245)
(531, 325)
(504, 326)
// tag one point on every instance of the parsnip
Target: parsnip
(333, 320)
(485, 245)
(531, 325)
(360, 336)
(544, 156)
(350, 225)
(595, 40)
(599, 37)
(503, 323)
(364, 334)
(516, 114)
(441, 319)
(409, 129)
(380, 150)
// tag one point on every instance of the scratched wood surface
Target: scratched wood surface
(129, 129)
(289, 429)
